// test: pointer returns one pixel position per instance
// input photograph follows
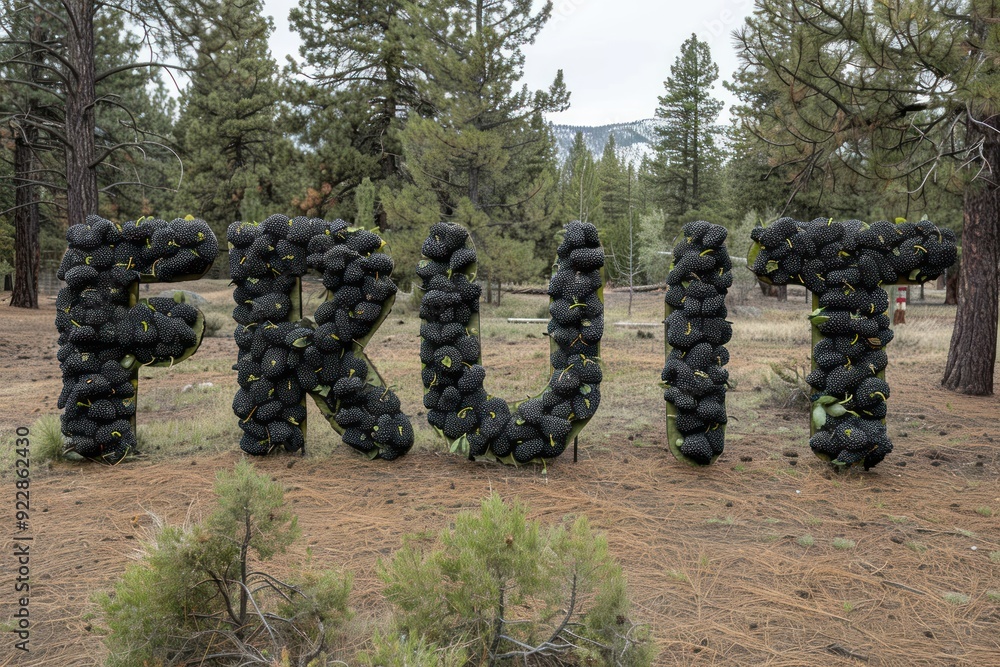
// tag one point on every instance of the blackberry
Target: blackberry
(716, 437)
(530, 411)
(791, 265)
(864, 326)
(261, 391)
(875, 361)
(462, 259)
(585, 404)
(697, 448)
(586, 259)
(80, 277)
(573, 238)
(714, 237)
(871, 392)
(711, 411)
(822, 443)
(101, 411)
(268, 411)
(383, 402)
(354, 417)
(427, 268)
(682, 331)
(591, 331)
(851, 346)
(472, 379)
(529, 450)
(843, 299)
(493, 414)
(817, 379)
(680, 399)
(588, 370)
(459, 423)
(364, 242)
(519, 433)
(879, 341)
(778, 231)
(564, 382)
(469, 349)
(849, 434)
(347, 387)
(849, 277)
(841, 380)
(717, 331)
(450, 399)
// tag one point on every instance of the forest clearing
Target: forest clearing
(768, 557)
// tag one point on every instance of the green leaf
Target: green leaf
(836, 410)
(826, 399)
(819, 417)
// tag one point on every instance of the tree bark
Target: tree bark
(26, 227)
(951, 285)
(81, 170)
(972, 355)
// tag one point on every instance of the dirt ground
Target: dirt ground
(767, 558)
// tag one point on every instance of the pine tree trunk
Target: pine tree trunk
(974, 340)
(26, 228)
(951, 285)
(81, 172)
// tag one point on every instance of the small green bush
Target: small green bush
(410, 651)
(47, 439)
(785, 385)
(503, 589)
(217, 324)
(200, 594)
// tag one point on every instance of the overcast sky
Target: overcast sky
(615, 54)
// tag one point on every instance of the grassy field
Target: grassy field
(770, 557)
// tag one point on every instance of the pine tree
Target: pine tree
(228, 117)
(688, 155)
(65, 67)
(850, 105)
(364, 200)
(613, 184)
(580, 197)
(358, 87)
(486, 157)
(140, 176)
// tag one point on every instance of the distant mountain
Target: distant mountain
(635, 140)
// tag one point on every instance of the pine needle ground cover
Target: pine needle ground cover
(716, 558)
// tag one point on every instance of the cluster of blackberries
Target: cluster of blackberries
(453, 374)
(281, 358)
(844, 257)
(165, 251)
(694, 377)
(845, 265)
(99, 331)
